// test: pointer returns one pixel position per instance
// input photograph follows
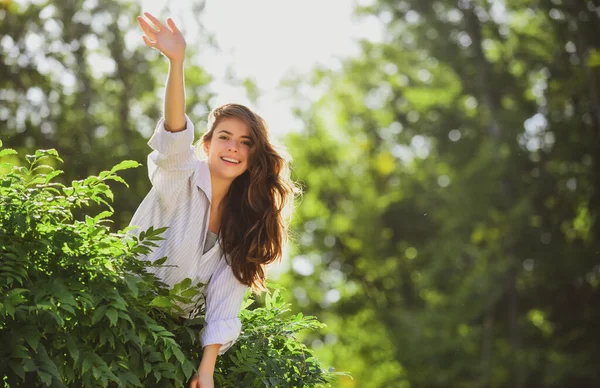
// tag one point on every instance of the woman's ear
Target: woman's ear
(206, 147)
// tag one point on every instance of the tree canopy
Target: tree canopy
(449, 233)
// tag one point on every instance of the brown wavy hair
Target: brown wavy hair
(257, 208)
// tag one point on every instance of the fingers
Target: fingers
(148, 42)
(172, 25)
(154, 20)
(147, 28)
(194, 382)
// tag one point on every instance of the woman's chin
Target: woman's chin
(229, 173)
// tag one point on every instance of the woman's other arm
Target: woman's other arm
(204, 376)
(170, 42)
(224, 298)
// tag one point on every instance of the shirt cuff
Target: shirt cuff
(224, 332)
(169, 143)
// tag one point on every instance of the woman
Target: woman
(225, 213)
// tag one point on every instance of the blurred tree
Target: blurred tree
(76, 78)
(451, 220)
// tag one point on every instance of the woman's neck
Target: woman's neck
(219, 188)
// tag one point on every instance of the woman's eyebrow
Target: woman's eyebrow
(231, 134)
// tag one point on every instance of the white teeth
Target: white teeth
(230, 160)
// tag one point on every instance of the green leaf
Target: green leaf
(117, 178)
(131, 283)
(7, 151)
(99, 314)
(45, 377)
(29, 365)
(186, 283)
(31, 335)
(50, 152)
(190, 293)
(73, 348)
(131, 378)
(178, 354)
(103, 215)
(85, 365)
(52, 175)
(161, 301)
(125, 165)
(159, 262)
(113, 316)
(17, 367)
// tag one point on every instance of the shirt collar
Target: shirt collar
(203, 179)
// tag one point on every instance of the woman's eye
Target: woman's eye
(249, 144)
(223, 137)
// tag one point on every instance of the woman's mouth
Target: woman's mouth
(230, 161)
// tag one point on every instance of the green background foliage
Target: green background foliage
(452, 197)
(449, 232)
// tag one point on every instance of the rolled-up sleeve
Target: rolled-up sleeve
(224, 299)
(173, 161)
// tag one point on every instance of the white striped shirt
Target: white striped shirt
(180, 199)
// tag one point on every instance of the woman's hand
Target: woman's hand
(202, 380)
(204, 377)
(168, 41)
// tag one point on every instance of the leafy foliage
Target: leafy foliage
(268, 353)
(77, 308)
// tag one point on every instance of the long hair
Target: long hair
(257, 208)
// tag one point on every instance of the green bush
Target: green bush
(77, 307)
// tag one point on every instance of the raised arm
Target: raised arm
(170, 42)
(172, 162)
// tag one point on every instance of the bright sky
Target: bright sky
(267, 39)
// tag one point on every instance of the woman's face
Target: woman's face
(229, 149)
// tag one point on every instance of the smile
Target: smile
(230, 160)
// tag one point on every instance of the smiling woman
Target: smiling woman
(228, 146)
(225, 213)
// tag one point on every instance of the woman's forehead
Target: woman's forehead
(233, 126)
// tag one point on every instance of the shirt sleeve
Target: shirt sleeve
(224, 299)
(172, 160)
